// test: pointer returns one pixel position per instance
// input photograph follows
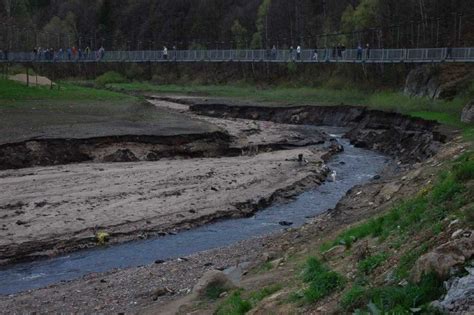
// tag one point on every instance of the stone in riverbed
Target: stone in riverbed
(212, 279)
(467, 115)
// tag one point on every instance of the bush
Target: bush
(322, 281)
(110, 77)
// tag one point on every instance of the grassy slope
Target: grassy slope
(381, 282)
(446, 112)
(12, 92)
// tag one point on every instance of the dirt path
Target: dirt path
(32, 79)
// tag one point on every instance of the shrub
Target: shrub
(322, 281)
(110, 77)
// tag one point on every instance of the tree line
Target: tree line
(185, 24)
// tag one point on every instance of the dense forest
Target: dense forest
(150, 24)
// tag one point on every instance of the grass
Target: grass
(452, 191)
(428, 208)
(13, 92)
(394, 299)
(321, 280)
(110, 77)
(370, 263)
(235, 304)
(445, 112)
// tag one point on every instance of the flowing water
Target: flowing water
(353, 167)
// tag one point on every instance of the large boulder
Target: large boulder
(444, 257)
(438, 82)
(212, 280)
(467, 115)
(422, 82)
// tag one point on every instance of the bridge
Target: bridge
(414, 55)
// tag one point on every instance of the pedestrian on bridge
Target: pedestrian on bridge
(88, 52)
(449, 51)
(315, 54)
(100, 53)
(291, 53)
(274, 52)
(359, 51)
(165, 53)
(298, 52)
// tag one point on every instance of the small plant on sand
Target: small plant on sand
(102, 237)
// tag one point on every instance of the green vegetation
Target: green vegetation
(416, 216)
(235, 304)
(428, 208)
(321, 280)
(109, 77)
(446, 112)
(13, 92)
(394, 299)
(214, 292)
(368, 264)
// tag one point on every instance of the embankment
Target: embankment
(405, 138)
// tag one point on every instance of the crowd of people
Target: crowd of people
(337, 52)
(72, 53)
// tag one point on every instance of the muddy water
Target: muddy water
(354, 166)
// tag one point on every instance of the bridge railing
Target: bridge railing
(246, 55)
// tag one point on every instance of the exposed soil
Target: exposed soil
(176, 194)
(32, 79)
(405, 138)
(134, 290)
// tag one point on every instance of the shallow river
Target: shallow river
(354, 166)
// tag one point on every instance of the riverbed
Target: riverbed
(354, 166)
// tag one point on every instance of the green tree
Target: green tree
(261, 24)
(239, 34)
(365, 15)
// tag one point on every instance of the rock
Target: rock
(467, 115)
(457, 233)
(361, 250)
(334, 252)
(460, 295)
(285, 223)
(159, 261)
(443, 258)
(212, 279)
(423, 82)
(275, 263)
(437, 82)
(160, 292)
(268, 256)
(121, 155)
(388, 190)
